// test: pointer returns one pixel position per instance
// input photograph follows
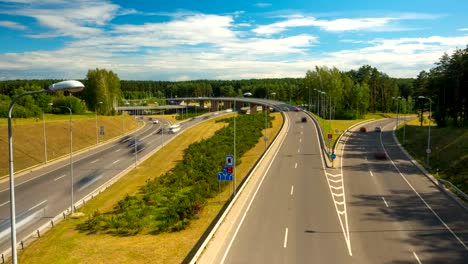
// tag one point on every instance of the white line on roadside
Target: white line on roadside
(371, 174)
(285, 244)
(386, 204)
(4, 203)
(115, 161)
(60, 177)
(420, 197)
(295, 166)
(252, 199)
(117, 150)
(416, 256)
(292, 189)
(37, 205)
(94, 161)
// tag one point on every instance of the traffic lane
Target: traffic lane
(282, 226)
(49, 168)
(415, 218)
(375, 238)
(260, 238)
(437, 210)
(316, 234)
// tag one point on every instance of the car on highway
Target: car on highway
(363, 129)
(378, 129)
(140, 146)
(304, 119)
(155, 121)
(132, 141)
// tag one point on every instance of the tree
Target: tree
(102, 86)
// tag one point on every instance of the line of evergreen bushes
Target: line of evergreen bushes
(169, 202)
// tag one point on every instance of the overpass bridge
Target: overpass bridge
(235, 103)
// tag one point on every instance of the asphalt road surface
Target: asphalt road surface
(46, 192)
(367, 210)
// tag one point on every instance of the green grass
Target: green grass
(64, 244)
(449, 150)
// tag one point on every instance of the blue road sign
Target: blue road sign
(222, 176)
(333, 156)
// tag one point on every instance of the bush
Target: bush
(168, 203)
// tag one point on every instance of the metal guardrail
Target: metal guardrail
(458, 191)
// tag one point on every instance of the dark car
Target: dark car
(304, 119)
(140, 146)
(363, 129)
(132, 141)
(378, 129)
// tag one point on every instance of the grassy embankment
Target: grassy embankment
(449, 150)
(28, 137)
(64, 244)
(337, 127)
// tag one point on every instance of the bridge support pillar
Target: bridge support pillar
(214, 106)
(253, 109)
(227, 105)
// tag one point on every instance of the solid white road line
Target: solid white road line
(94, 161)
(4, 203)
(252, 199)
(117, 150)
(60, 177)
(371, 174)
(416, 256)
(386, 204)
(295, 165)
(115, 161)
(285, 244)
(37, 205)
(300, 140)
(292, 189)
(420, 197)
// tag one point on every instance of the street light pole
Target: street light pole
(97, 130)
(71, 159)
(71, 86)
(428, 150)
(397, 109)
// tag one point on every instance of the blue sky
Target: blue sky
(186, 40)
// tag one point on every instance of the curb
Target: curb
(434, 180)
(41, 165)
(227, 209)
(31, 237)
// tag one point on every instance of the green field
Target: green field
(28, 137)
(65, 244)
(449, 150)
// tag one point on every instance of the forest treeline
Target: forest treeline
(350, 94)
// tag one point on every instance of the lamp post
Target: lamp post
(70, 86)
(97, 130)
(397, 109)
(428, 150)
(45, 137)
(71, 159)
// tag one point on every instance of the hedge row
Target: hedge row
(169, 202)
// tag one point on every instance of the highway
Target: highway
(366, 210)
(46, 192)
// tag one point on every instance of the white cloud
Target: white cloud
(463, 29)
(77, 19)
(341, 24)
(12, 25)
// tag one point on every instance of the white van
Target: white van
(174, 129)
